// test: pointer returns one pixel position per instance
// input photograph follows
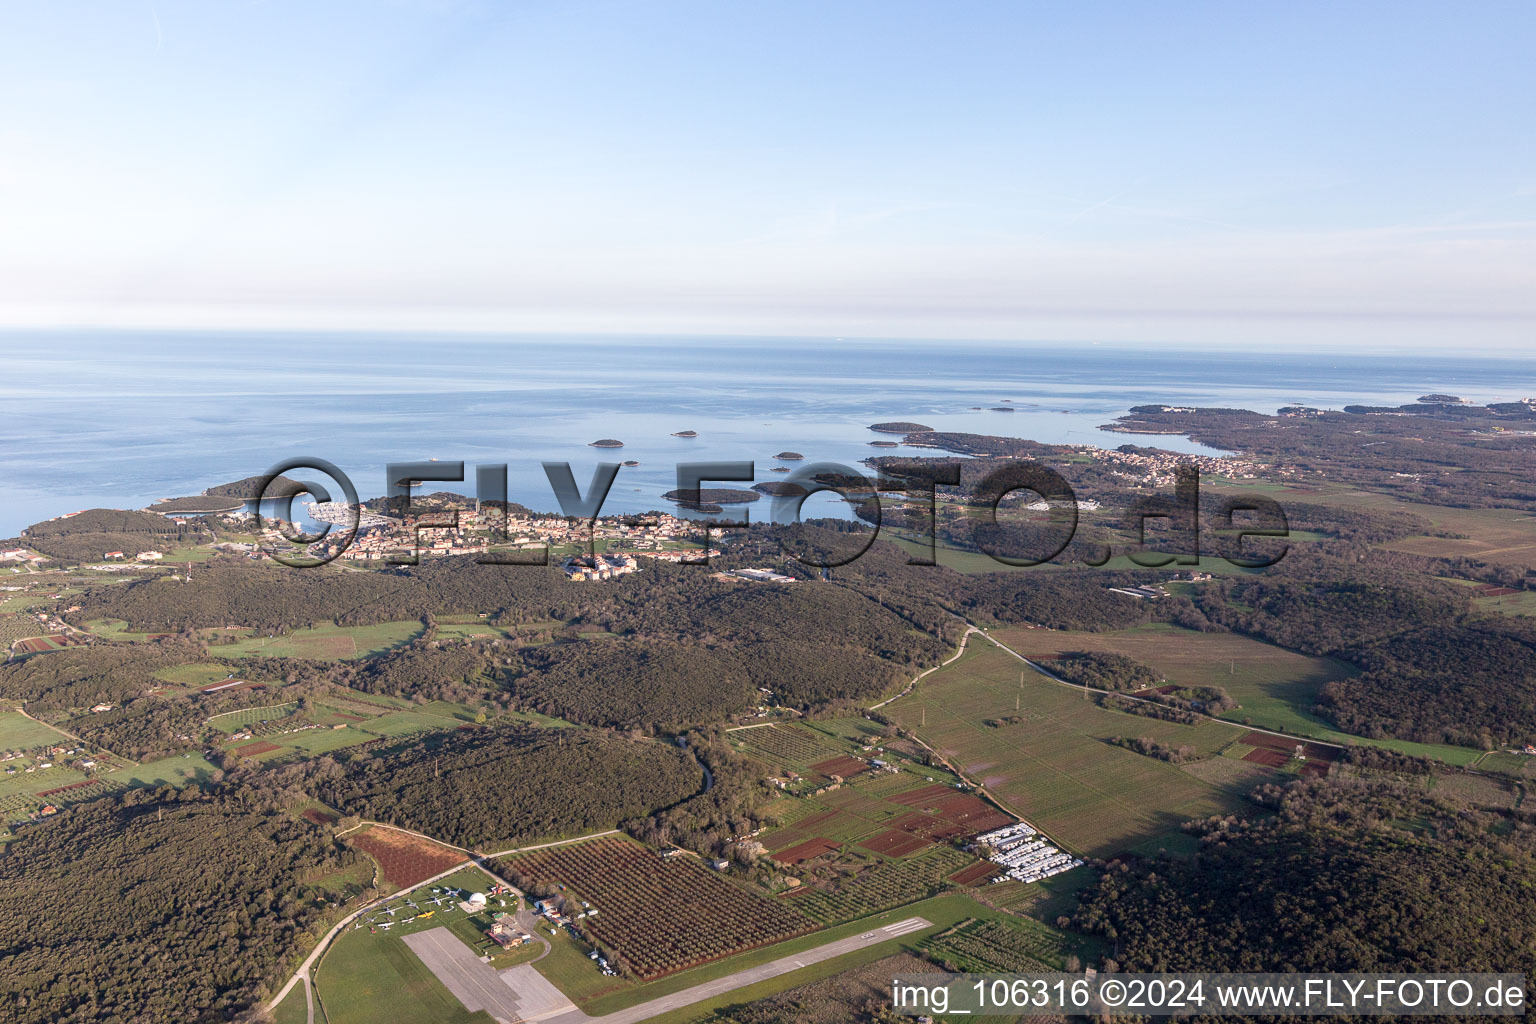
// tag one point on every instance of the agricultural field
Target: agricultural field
(1508, 762)
(334, 721)
(1053, 764)
(1491, 600)
(787, 746)
(1275, 687)
(1014, 946)
(117, 629)
(660, 915)
(326, 643)
(177, 770)
(405, 860)
(18, 627)
(880, 884)
(18, 732)
(1501, 535)
(11, 603)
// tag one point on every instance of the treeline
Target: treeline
(688, 650)
(713, 821)
(1149, 747)
(630, 684)
(131, 909)
(1103, 670)
(1472, 684)
(1346, 876)
(510, 785)
(1323, 605)
(1431, 670)
(89, 535)
(84, 676)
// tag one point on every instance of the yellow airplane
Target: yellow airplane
(423, 917)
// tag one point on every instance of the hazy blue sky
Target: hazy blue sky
(1280, 174)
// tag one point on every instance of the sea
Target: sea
(121, 419)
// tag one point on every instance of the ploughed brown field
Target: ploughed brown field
(404, 859)
(259, 747)
(802, 852)
(973, 874)
(894, 843)
(844, 767)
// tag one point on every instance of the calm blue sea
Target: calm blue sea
(122, 419)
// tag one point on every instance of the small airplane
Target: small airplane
(423, 917)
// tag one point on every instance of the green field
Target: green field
(1055, 767)
(114, 629)
(18, 732)
(366, 978)
(1506, 762)
(176, 770)
(326, 643)
(1275, 687)
(292, 1010)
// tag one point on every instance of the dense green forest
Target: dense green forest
(632, 685)
(1103, 670)
(1471, 684)
(89, 535)
(178, 908)
(1345, 876)
(480, 786)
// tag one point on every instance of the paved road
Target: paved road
(964, 639)
(741, 979)
(516, 994)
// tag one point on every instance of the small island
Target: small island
(686, 433)
(631, 462)
(789, 456)
(201, 505)
(884, 444)
(900, 427)
(779, 469)
(605, 442)
(1438, 399)
(711, 496)
(1002, 408)
(776, 489)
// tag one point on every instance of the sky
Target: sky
(1276, 175)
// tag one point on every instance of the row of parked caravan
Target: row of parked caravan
(1026, 855)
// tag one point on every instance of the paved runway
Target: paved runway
(516, 994)
(741, 979)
